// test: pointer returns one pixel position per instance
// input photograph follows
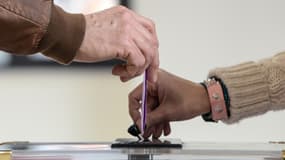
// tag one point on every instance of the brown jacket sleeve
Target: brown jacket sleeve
(31, 26)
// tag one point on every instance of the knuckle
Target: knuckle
(125, 43)
(139, 73)
(121, 8)
(148, 62)
(138, 61)
(154, 44)
(151, 54)
(154, 41)
(126, 16)
(121, 52)
(126, 29)
(141, 62)
(155, 64)
(131, 113)
(130, 96)
(127, 52)
(139, 68)
(152, 24)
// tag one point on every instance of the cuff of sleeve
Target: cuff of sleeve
(64, 35)
(248, 90)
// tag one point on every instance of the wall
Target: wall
(59, 105)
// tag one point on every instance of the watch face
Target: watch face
(154, 143)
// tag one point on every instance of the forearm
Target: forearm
(29, 26)
(254, 87)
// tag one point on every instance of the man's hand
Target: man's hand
(171, 98)
(120, 33)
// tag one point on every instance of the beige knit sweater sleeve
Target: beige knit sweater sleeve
(254, 87)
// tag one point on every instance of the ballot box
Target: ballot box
(103, 151)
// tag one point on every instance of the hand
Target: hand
(169, 99)
(120, 33)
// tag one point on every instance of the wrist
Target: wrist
(81, 54)
(63, 45)
(205, 102)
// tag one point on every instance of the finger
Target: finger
(123, 70)
(120, 70)
(148, 24)
(167, 129)
(145, 40)
(137, 60)
(155, 140)
(147, 132)
(155, 63)
(125, 79)
(138, 123)
(152, 103)
(148, 36)
(150, 51)
(157, 116)
(153, 68)
(158, 130)
(145, 43)
(134, 105)
(135, 63)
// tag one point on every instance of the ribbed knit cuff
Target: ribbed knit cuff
(248, 90)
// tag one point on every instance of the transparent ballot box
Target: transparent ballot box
(104, 151)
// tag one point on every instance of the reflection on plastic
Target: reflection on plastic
(60, 157)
